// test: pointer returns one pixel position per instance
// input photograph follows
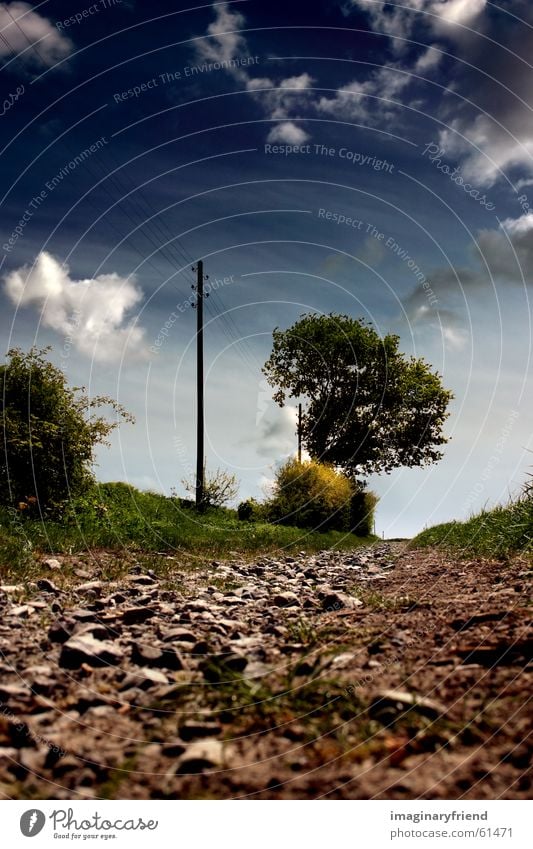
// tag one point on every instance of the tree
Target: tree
(219, 487)
(370, 408)
(49, 432)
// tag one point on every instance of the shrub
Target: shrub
(362, 510)
(311, 495)
(250, 511)
(49, 431)
(219, 487)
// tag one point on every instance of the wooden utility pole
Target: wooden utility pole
(299, 433)
(200, 470)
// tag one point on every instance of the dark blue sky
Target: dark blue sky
(355, 156)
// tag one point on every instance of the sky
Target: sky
(345, 156)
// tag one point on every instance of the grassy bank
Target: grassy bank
(499, 533)
(116, 516)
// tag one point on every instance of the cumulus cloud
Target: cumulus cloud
(494, 133)
(92, 313)
(275, 434)
(288, 132)
(451, 18)
(280, 99)
(508, 251)
(19, 24)
(503, 256)
(224, 40)
(377, 96)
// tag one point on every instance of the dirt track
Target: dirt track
(271, 679)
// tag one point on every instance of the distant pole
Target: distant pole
(299, 433)
(200, 472)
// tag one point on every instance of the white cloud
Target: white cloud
(453, 13)
(19, 24)
(376, 96)
(428, 60)
(225, 41)
(509, 251)
(287, 132)
(275, 434)
(91, 313)
(487, 148)
(279, 100)
(443, 17)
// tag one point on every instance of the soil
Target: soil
(382, 673)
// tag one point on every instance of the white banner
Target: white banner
(256, 825)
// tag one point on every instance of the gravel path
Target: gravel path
(378, 673)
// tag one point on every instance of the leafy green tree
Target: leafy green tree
(370, 408)
(49, 432)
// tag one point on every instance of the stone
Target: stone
(144, 679)
(192, 730)
(172, 748)
(152, 656)
(287, 599)
(386, 706)
(86, 649)
(21, 612)
(91, 587)
(137, 615)
(47, 586)
(141, 580)
(51, 563)
(182, 635)
(337, 601)
(199, 756)
(60, 630)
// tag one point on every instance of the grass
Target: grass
(118, 517)
(498, 533)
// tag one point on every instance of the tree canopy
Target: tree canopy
(369, 408)
(49, 431)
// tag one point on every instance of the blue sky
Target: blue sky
(357, 157)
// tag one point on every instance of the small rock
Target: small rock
(205, 754)
(337, 601)
(145, 655)
(85, 649)
(172, 748)
(182, 635)
(47, 586)
(91, 587)
(60, 630)
(144, 679)
(137, 615)
(287, 599)
(389, 704)
(21, 612)
(192, 730)
(141, 580)
(51, 563)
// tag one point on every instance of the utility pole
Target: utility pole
(200, 471)
(299, 433)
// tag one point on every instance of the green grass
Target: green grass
(499, 533)
(119, 517)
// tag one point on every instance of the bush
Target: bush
(362, 510)
(49, 433)
(311, 495)
(250, 511)
(219, 487)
